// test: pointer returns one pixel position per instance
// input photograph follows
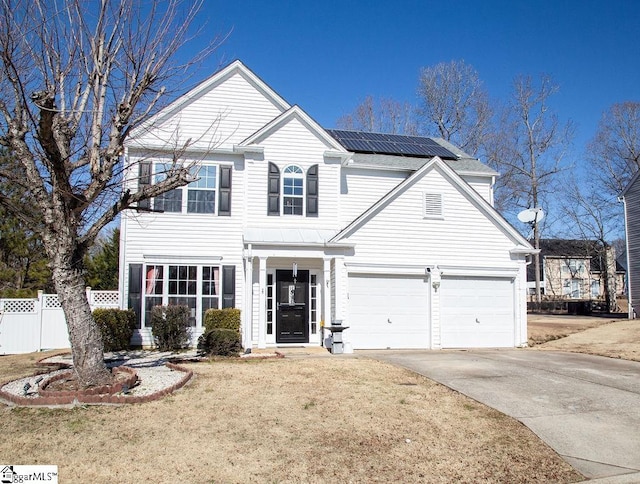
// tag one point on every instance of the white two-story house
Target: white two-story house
(300, 227)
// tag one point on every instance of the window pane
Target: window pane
(201, 201)
(149, 303)
(209, 303)
(169, 202)
(293, 169)
(153, 283)
(182, 280)
(210, 281)
(206, 175)
(293, 186)
(190, 302)
(292, 206)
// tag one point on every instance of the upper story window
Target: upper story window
(292, 190)
(170, 201)
(574, 267)
(209, 194)
(201, 196)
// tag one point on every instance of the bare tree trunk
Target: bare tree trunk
(609, 273)
(86, 340)
(84, 334)
(536, 259)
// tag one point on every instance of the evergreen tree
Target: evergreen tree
(102, 263)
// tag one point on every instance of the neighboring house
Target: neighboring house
(573, 269)
(301, 227)
(631, 197)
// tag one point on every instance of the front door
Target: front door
(292, 299)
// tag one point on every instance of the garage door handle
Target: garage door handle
(477, 321)
(388, 321)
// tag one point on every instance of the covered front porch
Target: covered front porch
(294, 284)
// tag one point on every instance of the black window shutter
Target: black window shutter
(135, 290)
(144, 179)
(224, 197)
(228, 286)
(312, 191)
(274, 190)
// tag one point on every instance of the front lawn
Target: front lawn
(285, 420)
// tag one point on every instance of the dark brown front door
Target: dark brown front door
(292, 300)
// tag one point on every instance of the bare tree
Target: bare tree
(614, 151)
(591, 213)
(528, 147)
(454, 105)
(76, 77)
(383, 116)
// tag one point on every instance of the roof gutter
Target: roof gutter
(520, 250)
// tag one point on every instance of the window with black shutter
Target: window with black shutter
(224, 205)
(312, 191)
(144, 180)
(274, 190)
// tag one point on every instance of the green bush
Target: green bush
(116, 326)
(220, 342)
(228, 318)
(170, 327)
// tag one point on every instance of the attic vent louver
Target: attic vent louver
(433, 205)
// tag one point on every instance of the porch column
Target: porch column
(326, 296)
(248, 303)
(262, 307)
(340, 290)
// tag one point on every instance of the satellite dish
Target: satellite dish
(531, 215)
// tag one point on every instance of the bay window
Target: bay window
(197, 287)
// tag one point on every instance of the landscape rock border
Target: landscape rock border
(90, 397)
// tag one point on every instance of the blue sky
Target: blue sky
(327, 56)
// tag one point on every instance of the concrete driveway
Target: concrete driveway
(587, 408)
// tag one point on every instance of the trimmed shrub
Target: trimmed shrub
(170, 327)
(228, 318)
(116, 326)
(220, 342)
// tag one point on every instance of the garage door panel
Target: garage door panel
(477, 312)
(388, 312)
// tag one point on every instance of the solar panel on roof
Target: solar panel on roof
(392, 144)
(358, 145)
(377, 136)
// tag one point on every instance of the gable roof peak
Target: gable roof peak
(298, 112)
(235, 67)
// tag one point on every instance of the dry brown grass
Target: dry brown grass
(619, 339)
(288, 420)
(548, 327)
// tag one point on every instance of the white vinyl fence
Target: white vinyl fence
(28, 325)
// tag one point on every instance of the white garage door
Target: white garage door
(388, 312)
(477, 312)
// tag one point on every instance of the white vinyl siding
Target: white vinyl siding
(361, 188)
(399, 234)
(482, 185)
(217, 119)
